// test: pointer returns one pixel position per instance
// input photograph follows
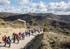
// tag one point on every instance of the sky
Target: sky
(35, 6)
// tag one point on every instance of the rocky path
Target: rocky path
(21, 44)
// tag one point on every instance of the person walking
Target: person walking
(9, 41)
(16, 37)
(32, 32)
(13, 37)
(4, 38)
(23, 35)
(27, 33)
(20, 35)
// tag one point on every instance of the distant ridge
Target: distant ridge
(38, 16)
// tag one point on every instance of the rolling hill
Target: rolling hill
(57, 22)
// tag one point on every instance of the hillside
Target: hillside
(56, 27)
(53, 40)
(15, 24)
(60, 23)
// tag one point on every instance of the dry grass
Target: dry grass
(56, 41)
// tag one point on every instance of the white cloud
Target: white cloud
(12, 9)
(29, 6)
(4, 2)
(41, 7)
(5, 6)
(59, 7)
(23, 1)
(26, 6)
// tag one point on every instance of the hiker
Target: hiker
(27, 33)
(23, 35)
(20, 35)
(15, 37)
(32, 32)
(4, 38)
(9, 41)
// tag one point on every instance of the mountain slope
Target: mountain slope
(57, 22)
(14, 24)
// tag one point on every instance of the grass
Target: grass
(56, 41)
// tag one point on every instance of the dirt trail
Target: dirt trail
(22, 43)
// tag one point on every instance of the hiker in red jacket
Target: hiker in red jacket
(4, 38)
(15, 37)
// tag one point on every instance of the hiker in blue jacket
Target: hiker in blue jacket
(9, 41)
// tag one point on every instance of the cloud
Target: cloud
(40, 7)
(59, 7)
(10, 9)
(4, 2)
(26, 6)
(29, 6)
(6, 6)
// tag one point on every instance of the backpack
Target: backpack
(8, 40)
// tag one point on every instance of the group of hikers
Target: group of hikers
(16, 37)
